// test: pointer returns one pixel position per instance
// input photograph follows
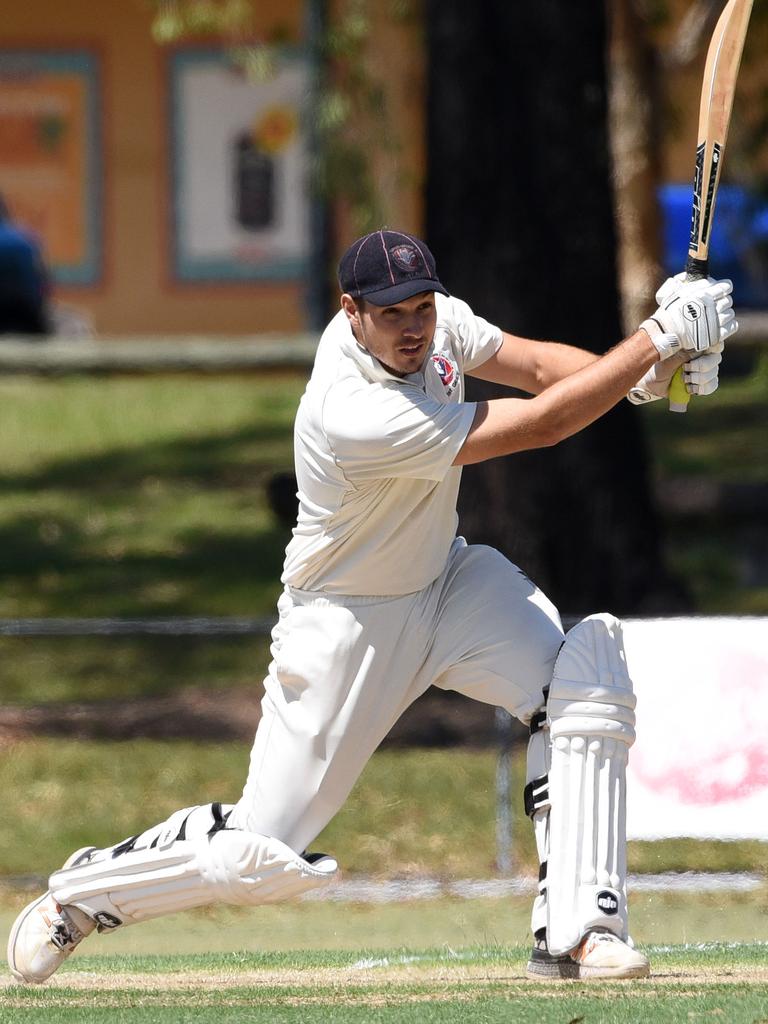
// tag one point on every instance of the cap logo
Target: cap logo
(405, 256)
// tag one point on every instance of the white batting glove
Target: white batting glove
(700, 376)
(693, 316)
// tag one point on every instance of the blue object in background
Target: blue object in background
(739, 246)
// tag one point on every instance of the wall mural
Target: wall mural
(51, 156)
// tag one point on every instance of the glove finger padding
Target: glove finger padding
(692, 316)
(700, 364)
(700, 375)
(672, 284)
(728, 325)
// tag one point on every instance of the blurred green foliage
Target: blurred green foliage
(716, 459)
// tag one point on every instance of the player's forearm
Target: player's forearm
(530, 365)
(556, 361)
(506, 425)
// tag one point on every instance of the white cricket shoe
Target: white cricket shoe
(44, 934)
(599, 955)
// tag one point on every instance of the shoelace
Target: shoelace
(593, 940)
(65, 932)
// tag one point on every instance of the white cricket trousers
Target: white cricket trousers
(345, 668)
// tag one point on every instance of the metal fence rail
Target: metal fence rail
(200, 625)
(185, 626)
(157, 355)
(196, 354)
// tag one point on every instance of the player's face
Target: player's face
(398, 336)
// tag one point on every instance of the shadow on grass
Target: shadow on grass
(227, 562)
(233, 457)
(211, 562)
(57, 670)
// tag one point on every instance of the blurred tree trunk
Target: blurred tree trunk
(635, 115)
(520, 213)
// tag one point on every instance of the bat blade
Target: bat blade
(717, 91)
(718, 88)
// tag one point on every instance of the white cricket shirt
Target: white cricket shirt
(377, 491)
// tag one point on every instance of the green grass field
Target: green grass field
(413, 812)
(146, 496)
(478, 984)
(124, 496)
(444, 959)
(139, 497)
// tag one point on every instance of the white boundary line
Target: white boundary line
(362, 890)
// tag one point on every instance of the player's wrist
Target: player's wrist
(666, 344)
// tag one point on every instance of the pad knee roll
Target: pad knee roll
(590, 713)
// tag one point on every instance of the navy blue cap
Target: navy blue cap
(386, 267)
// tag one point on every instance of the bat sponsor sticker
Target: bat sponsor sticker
(714, 170)
(698, 179)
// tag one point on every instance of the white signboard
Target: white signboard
(700, 764)
(239, 168)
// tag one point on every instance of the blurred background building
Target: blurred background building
(169, 184)
(175, 190)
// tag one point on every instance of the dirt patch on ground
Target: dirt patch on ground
(326, 983)
(438, 719)
(226, 714)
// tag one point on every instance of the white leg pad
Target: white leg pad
(590, 713)
(537, 807)
(231, 866)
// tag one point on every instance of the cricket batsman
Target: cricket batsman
(382, 600)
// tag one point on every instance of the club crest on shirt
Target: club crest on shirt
(447, 371)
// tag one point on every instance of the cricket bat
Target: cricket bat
(718, 88)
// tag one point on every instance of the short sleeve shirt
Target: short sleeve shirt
(374, 454)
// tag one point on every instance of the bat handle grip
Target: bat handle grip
(696, 270)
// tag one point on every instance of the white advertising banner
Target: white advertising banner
(699, 767)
